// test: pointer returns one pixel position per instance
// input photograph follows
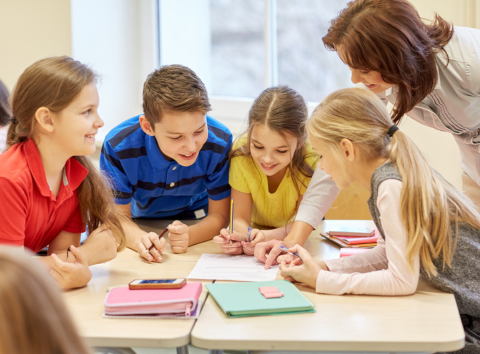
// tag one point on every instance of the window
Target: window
(238, 48)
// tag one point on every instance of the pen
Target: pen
(249, 233)
(293, 254)
(159, 237)
(231, 221)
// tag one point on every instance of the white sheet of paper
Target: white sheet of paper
(227, 267)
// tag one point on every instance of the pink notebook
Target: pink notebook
(123, 301)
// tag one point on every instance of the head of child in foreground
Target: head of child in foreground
(348, 130)
(175, 104)
(276, 132)
(57, 99)
(33, 317)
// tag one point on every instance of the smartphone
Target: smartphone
(157, 283)
(352, 231)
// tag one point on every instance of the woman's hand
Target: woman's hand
(71, 274)
(257, 236)
(267, 252)
(145, 249)
(223, 241)
(304, 270)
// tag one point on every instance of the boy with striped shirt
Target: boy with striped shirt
(170, 162)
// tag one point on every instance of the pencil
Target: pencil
(231, 221)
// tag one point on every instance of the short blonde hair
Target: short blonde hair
(33, 316)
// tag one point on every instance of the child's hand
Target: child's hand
(71, 275)
(145, 249)
(224, 242)
(304, 272)
(100, 245)
(257, 236)
(179, 236)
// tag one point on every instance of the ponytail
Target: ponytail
(429, 204)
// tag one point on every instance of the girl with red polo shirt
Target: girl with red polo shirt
(49, 191)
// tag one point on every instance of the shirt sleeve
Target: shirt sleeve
(75, 224)
(319, 197)
(13, 213)
(237, 179)
(112, 169)
(217, 182)
(394, 276)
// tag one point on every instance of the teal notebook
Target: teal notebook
(244, 299)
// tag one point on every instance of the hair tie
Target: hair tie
(13, 120)
(392, 130)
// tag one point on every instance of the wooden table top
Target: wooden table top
(425, 321)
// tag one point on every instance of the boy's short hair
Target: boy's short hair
(173, 88)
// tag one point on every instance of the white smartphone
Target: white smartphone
(352, 231)
(157, 283)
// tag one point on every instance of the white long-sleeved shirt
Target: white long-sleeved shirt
(382, 270)
(319, 197)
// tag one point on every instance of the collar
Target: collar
(73, 174)
(155, 156)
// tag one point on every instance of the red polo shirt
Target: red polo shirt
(30, 214)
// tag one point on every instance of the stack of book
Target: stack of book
(346, 238)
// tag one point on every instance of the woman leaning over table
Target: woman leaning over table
(429, 71)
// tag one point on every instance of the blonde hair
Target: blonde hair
(283, 110)
(33, 316)
(54, 83)
(428, 202)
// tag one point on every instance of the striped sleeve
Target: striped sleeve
(112, 169)
(217, 182)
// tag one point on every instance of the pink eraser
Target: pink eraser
(267, 289)
(273, 295)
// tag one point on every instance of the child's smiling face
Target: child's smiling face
(78, 123)
(271, 151)
(181, 135)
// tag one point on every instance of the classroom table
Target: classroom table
(427, 321)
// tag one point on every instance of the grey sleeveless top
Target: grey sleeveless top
(463, 277)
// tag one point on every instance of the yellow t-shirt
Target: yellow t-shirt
(269, 209)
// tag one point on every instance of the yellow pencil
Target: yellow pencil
(231, 221)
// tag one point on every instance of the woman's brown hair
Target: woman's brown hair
(388, 36)
(54, 83)
(428, 203)
(33, 316)
(284, 111)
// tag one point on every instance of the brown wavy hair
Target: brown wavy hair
(173, 88)
(283, 110)
(33, 316)
(428, 203)
(388, 36)
(54, 83)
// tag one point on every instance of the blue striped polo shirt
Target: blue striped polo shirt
(156, 187)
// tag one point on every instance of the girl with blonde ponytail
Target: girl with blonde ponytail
(426, 225)
(50, 192)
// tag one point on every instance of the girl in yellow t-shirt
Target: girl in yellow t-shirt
(271, 165)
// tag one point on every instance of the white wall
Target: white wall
(31, 30)
(118, 39)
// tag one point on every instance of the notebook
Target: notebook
(245, 299)
(123, 301)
